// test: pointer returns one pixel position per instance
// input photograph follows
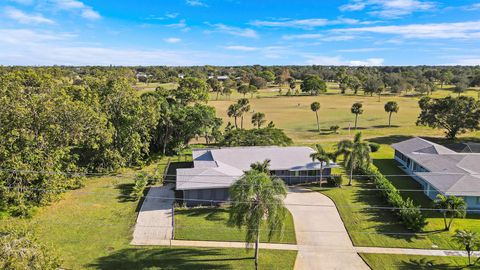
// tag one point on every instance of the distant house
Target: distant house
(220, 78)
(215, 170)
(181, 76)
(440, 170)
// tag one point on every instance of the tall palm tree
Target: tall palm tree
(257, 199)
(469, 240)
(234, 110)
(258, 119)
(323, 157)
(357, 110)
(315, 106)
(356, 153)
(451, 207)
(391, 107)
(244, 105)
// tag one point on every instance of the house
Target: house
(216, 169)
(441, 170)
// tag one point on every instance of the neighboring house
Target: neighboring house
(215, 170)
(440, 170)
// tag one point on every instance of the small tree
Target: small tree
(451, 207)
(141, 181)
(315, 106)
(335, 128)
(244, 105)
(469, 241)
(234, 111)
(313, 85)
(323, 157)
(243, 89)
(391, 107)
(356, 153)
(258, 119)
(257, 199)
(357, 110)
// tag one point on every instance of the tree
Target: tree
(373, 85)
(455, 115)
(445, 77)
(256, 137)
(267, 75)
(252, 90)
(356, 153)
(263, 166)
(244, 105)
(469, 241)
(20, 250)
(234, 110)
(191, 90)
(357, 110)
(315, 106)
(354, 83)
(258, 82)
(461, 85)
(243, 89)
(313, 85)
(323, 157)
(391, 107)
(451, 208)
(258, 119)
(215, 86)
(256, 200)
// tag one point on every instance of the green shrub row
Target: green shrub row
(409, 214)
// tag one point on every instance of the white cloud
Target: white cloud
(319, 37)
(172, 40)
(307, 23)
(241, 48)
(235, 31)
(339, 61)
(473, 7)
(182, 24)
(459, 30)
(23, 2)
(195, 3)
(27, 36)
(22, 17)
(171, 15)
(389, 8)
(86, 12)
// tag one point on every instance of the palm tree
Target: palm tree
(356, 109)
(261, 166)
(391, 107)
(244, 108)
(234, 111)
(323, 157)
(257, 199)
(356, 153)
(258, 119)
(315, 106)
(469, 240)
(451, 207)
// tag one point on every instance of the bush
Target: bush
(20, 250)
(409, 214)
(140, 185)
(256, 137)
(334, 180)
(374, 147)
(335, 129)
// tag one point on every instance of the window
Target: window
(478, 200)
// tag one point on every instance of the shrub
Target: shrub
(334, 129)
(334, 180)
(409, 214)
(374, 147)
(140, 185)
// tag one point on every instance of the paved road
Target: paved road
(154, 221)
(323, 241)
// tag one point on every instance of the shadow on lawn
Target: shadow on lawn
(209, 213)
(166, 258)
(424, 263)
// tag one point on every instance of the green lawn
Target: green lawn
(91, 228)
(210, 224)
(407, 262)
(293, 114)
(377, 227)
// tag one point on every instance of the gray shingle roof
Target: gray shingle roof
(450, 172)
(221, 167)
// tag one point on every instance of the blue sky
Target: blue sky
(231, 32)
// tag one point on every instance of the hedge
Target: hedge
(408, 213)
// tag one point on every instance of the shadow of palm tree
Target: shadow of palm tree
(424, 263)
(168, 258)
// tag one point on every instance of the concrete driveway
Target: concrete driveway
(154, 221)
(323, 241)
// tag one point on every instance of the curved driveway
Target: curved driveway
(323, 241)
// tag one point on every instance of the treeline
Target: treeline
(52, 124)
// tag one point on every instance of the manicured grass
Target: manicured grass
(293, 114)
(194, 258)
(210, 224)
(407, 262)
(91, 228)
(379, 227)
